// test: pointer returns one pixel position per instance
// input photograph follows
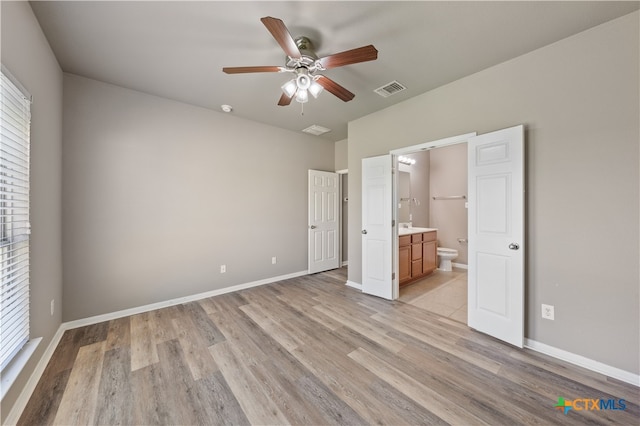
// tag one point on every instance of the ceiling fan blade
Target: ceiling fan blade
(353, 56)
(335, 88)
(240, 70)
(280, 32)
(284, 100)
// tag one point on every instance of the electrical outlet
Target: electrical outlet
(223, 269)
(274, 260)
(548, 312)
(53, 306)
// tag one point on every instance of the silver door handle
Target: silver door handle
(312, 227)
(514, 246)
(364, 231)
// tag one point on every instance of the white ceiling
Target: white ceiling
(177, 49)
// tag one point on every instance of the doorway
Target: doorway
(495, 227)
(432, 192)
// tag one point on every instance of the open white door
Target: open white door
(324, 253)
(496, 234)
(377, 226)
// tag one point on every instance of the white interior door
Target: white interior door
(496, 234)
(377, 226)
(324, 240)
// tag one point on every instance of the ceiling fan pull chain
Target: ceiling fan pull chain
(301, 108)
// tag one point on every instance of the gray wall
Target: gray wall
(579, 101)
(26, 54)
(341, 159)
(158, 194)
(448, 176)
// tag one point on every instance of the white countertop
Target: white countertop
(409, 231)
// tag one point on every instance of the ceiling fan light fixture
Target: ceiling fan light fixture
(315, 89)
(303, 80)
(302, 96)
(290, 87)
(304, 63)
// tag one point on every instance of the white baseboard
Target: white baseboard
(23, 398)
(354, 285)
(16, 411)
(460, 265)
(581, 361)
(180, 300)
(345, 263)
(12, 370)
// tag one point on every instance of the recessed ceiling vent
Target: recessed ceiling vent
(390, 89)
(316, 130)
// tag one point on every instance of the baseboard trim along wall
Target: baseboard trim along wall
(580, 361)
(460, 265)
(23, 399)
(146, 308)
(13, 369)
(354, 285)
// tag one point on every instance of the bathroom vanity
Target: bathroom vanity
(417, 254)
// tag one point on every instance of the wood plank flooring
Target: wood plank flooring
(307, 351)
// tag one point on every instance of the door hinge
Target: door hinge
(393, 276)
(393, 223)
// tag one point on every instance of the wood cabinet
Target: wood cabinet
(417, 256)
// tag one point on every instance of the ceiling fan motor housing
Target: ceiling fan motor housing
(308, 56)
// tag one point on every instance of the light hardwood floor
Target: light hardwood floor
(309, 350)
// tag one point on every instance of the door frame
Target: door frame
(326, 263)
(395, 153)
(341, 207)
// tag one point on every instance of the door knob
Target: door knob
(514, 246)
(364, 231)
(312, 227)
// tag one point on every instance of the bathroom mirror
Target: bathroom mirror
(404, 195)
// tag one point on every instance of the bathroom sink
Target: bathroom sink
(414, 230)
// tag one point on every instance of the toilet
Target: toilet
(445, 256)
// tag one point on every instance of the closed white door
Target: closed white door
(323, 238)
(496, 234)
(377, 227)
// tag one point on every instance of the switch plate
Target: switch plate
(548, 312)
(53, 306)
(274, 260)
(223, 269)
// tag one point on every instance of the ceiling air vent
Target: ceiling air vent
(316, 130)
(390, 89)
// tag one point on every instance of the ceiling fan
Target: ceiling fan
(306, 66)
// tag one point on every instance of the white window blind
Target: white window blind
(15, 117)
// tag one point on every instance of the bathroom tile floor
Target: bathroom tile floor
(443, 293)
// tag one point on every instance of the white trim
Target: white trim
(146, 308)
(342, 172)
(434, 144)
(23, 398)
(353, 285)
(17, 83)
(460, 265)
(581, 361)
(345, 263)
(13, 369)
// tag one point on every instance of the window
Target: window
(15, 117)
